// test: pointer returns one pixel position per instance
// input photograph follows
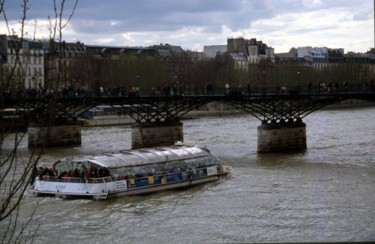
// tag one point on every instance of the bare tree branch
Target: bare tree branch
(71, 14)
(2, 11)
(15, 169)
(35, 24)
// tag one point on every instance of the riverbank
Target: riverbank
(350, 103)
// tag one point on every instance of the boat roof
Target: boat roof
(143, 156)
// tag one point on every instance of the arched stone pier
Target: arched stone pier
(282, 137)
(157, 134)
(40, 135)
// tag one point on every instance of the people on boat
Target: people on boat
(83, 173)
(42, 172)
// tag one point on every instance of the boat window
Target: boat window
(124, 172)
(136, 171)
(72, 165)
(199, 162)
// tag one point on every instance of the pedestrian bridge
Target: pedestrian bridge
(158, 117)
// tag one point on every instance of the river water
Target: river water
(324, 194)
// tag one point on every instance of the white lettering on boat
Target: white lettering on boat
(60, 187)
(120, 185)
(212, 170)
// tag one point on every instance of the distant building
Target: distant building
(289, 57)
(240, 60)
(249, 51)
(320, 57)
(317, 57)
(214, 50)
(163, 51)
(360, 57)
(173, 57)
(176, 61)
(22, 62)
(61, 59)
(169, 52)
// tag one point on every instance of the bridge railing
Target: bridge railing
(231, 90)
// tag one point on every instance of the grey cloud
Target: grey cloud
(109, 19)
(151, 15)
(363, 15)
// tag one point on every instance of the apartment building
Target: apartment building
(22, 62)
(248, 51)
(213, 50)
(62, 63)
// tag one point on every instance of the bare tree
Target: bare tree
(56, 53)
(18, 170)
(14, 169)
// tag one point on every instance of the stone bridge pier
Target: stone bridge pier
(272, 137)
(43, 135)
(157, 134)
(69, 134)
(282, 136)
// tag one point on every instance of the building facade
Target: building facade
(22, 62)
(249, 51)
(320, 57)
(62, 61)
(213, 50)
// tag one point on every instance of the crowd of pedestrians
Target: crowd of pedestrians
(176, 90)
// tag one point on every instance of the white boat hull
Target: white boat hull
(113, 188)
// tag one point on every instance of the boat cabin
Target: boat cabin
(133, 164)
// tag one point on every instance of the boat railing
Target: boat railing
(76, 179)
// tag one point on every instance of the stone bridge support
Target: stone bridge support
(157, 134)
(282, 137)
(41, 135)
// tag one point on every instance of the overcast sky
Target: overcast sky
(192, 24)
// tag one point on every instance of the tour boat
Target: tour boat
(106, 115)
(130, 172)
